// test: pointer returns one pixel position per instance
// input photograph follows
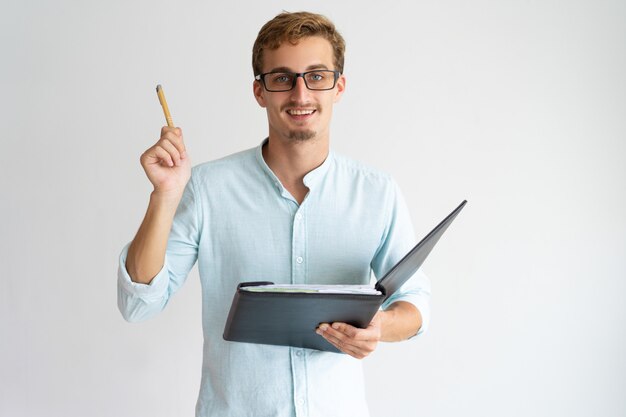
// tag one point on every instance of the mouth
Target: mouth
(301, 114)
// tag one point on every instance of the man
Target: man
(288, 211)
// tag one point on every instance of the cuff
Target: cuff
(148, 292)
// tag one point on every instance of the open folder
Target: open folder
(284, 314)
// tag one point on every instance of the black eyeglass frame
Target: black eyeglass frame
(261, 78)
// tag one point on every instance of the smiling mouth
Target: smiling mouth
(301, 112)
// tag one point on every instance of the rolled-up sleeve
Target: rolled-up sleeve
(138, 302)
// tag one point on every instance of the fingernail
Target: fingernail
(335, 326)
(323, 327)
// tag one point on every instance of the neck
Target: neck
(291, 160)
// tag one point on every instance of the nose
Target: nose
(299, 92)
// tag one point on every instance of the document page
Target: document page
(312, 288)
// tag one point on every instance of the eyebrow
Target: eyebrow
(309, 68)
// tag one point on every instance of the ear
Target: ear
(341, 87)
(258, 91)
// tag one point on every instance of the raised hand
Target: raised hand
(166, 163)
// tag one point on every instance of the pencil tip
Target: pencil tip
(158, 87)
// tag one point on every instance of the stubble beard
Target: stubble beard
(301, 135)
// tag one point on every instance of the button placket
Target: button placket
(299, 247)
(298, 363)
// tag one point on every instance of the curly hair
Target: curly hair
(292, 27)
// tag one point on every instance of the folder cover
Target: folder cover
(290, 318)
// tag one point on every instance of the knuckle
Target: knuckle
(177, 140)
(167, 144)
(168, 135)
(165, 130)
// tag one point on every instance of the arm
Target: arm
(168, 169)
(399, 322)
(157, 261)
(146, 253)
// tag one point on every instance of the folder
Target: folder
(290, 318)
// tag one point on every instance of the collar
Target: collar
(311, 179)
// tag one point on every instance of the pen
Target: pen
(166, 110)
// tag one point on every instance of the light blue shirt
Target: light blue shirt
(238, 221)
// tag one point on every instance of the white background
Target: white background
(517, 106)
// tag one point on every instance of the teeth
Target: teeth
(300, 112)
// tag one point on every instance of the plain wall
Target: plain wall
(517, 106)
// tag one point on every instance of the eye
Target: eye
(281, 78)
(316, 76)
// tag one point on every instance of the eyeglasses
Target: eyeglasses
(317, 80)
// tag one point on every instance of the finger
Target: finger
(336, 343)
(346, 331)
(175, 130)
(348, 349)
(172, 150)
(361, 348)
(175, 135)
(339, 337)
(157, 154)
(370, 334)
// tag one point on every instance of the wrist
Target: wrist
(166, 197)
(164, 204)
(386, 320)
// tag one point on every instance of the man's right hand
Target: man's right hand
(166, 163)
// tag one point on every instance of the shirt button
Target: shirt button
(300, 401)
(299, 259)
(298, 216)
(299, 353)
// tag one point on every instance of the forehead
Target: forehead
(309, 51)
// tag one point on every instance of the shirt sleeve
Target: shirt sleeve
(138, 301)
(397, 241)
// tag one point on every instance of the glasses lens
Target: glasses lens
(320, 80)
(279, 81)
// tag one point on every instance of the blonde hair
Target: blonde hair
(292, 27)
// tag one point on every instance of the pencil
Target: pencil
(166, 110)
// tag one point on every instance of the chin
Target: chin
(302, 135)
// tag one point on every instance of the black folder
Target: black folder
(290, 318)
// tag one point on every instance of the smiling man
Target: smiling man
(287, 211)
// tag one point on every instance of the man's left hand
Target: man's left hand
(356, 342)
